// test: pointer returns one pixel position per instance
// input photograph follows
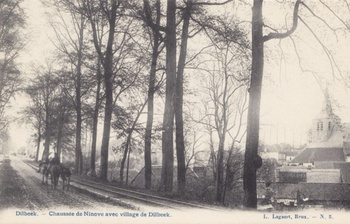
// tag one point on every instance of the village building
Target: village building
(319, 174)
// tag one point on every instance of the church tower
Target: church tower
(326, 122)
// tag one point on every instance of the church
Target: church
(320, 173)
(329, 140)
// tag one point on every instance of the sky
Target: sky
(290, 98)
(291, 95)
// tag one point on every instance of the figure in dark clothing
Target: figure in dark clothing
(54, 161)
(45, 161)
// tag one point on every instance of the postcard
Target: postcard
(165, 111)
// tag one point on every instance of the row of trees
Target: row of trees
(12, 21)
(115, 58)
(107, 51)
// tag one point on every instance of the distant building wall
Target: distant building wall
(270, 155)
(291, 177)
(323, 176)
(324, 165)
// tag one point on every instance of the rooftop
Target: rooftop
(310, 155)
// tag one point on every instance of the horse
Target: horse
(43, 170)
(65, 176)
(55, 175)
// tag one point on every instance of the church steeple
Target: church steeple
(327, 107)
(326, 122)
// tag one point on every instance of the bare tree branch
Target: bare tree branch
(288, 32)
(335, 14)
(325, 49)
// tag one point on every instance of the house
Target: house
(309, 156)
(279, 152)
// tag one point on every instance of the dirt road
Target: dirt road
(21, 188)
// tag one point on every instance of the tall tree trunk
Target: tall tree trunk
(221, 124)
(78, 152)
(180, 144)
(251, 159)
(46, 148)
(47, 130)
(107, 122)
(168, 119)
(149, 125)
(59, 132)
(220, 171)
(150, 105)
(212, 154)
(127, 168)
(227, 169)
(95, 121)
(108, 76)
(38, 146)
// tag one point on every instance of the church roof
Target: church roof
(310, 155)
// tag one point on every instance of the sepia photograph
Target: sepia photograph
(174, 111)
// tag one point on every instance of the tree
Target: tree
(12, 20)
(155, 27)
(252, 161)
(233, 170)
(34, 116)
(63, 114)
(70, 39)
(44, 91)
(96, 10)
(178, 99)
(168, 119)
(96, 109)
(190, 9)
(174, 91)
(225, 111)
(117, 51)
(226, 73)
(127, 122)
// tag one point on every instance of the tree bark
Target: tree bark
(149, 125)
(38, 147)
(78, 152)
(220, 171)
(108, 76)
(168, 119)
(252, 142)
(47, 125)
(95, 121)
(60, 130)
(150, 105)
(180, 145)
